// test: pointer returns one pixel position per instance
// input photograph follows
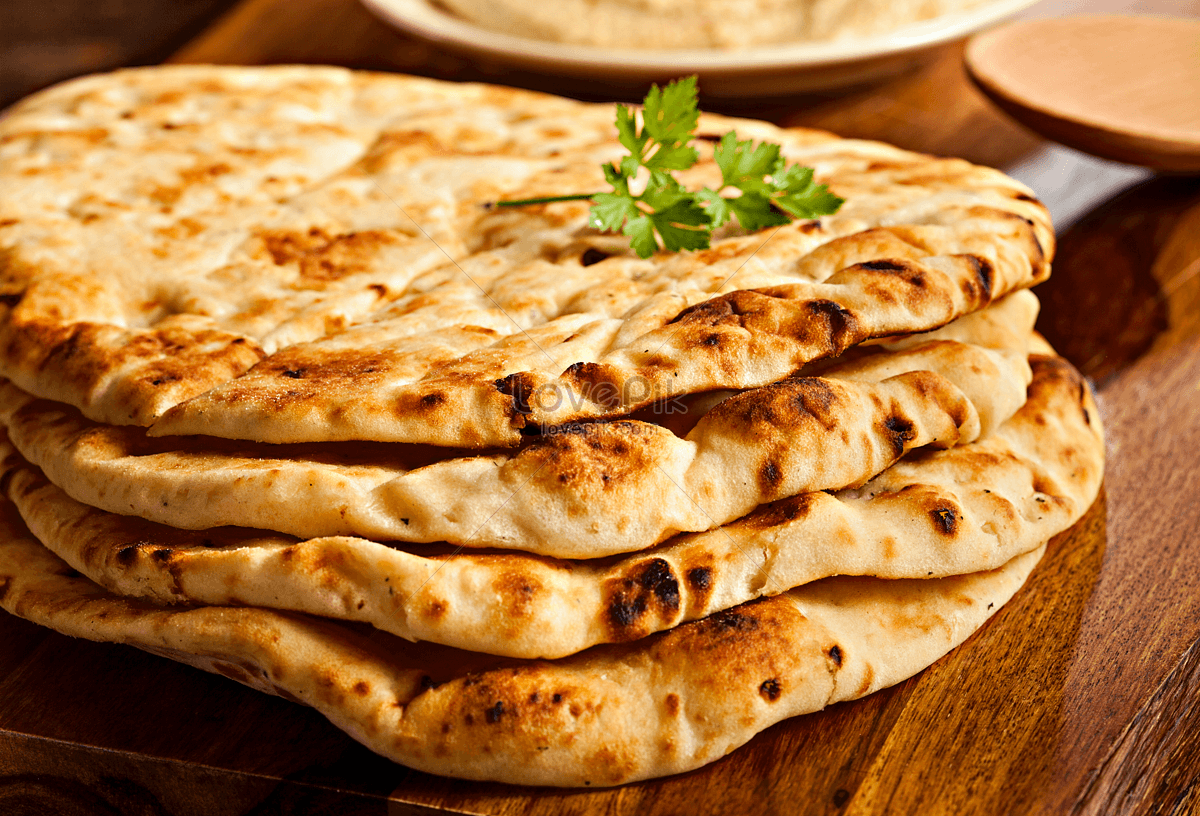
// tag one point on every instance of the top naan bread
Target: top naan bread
(301, 254)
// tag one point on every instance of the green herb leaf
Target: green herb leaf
(673, 225)
(716, 206)
(609, 211)
(663, 191)
(794, 179)
(801, 197)
(771, 189)
(666, 210)
(811, 205)
(627, 133)
(744, 165)
(675, 157)
(617, 177)
(641, 236)
(754, 212)
(770, 192)
(629, 167)
(670, 116)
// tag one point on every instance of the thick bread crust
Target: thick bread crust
(300, 254)
(615, 714)
(936, 513)
(578, 492)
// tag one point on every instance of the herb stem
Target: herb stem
(547, 200)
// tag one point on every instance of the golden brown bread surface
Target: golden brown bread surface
(299, 254)
(579, 491)
(613, 714)
(936, 513)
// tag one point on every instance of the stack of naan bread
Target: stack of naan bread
(287, 402)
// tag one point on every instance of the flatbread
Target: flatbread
(300, 254)
(578, 492)
(614, 714)
(935, 513)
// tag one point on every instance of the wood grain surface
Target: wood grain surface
(42, 42)
(1119, 86)
(1080, 696)
(930, 109)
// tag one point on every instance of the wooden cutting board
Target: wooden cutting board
(1081, 696)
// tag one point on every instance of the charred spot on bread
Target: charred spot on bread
(770, 689)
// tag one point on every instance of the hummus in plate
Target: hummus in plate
(724, 24)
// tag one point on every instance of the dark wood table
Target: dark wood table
(42, 42)
(1081, 696)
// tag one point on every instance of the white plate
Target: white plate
(762, 72)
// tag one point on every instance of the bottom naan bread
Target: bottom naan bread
(669, 703)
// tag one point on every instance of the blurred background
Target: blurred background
(43, 41)
(930, 106)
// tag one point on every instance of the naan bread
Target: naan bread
(300, 254)
(577, 493)
(614, 714)
(220, 258)
(936, 513)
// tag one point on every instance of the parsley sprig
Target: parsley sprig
(770, 192)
